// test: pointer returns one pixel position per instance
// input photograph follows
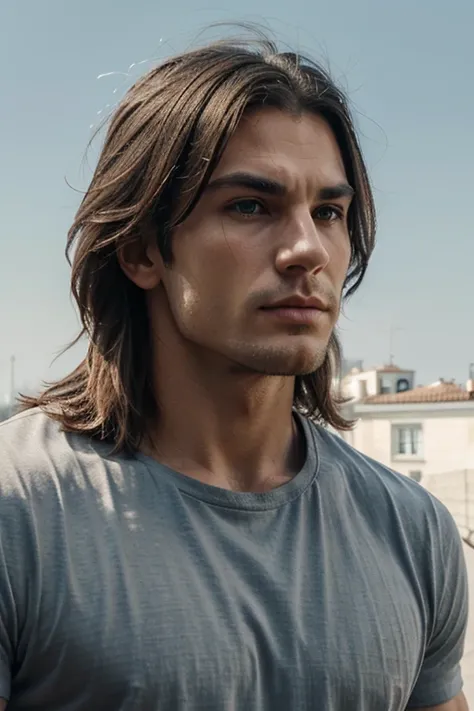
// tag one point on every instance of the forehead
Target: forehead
(288, 148)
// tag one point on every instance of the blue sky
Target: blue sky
(407, 67)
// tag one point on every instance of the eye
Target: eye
(247, 207)
(328, 213)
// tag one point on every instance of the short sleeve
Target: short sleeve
(17, 552)
(440, 678)
(7, 621)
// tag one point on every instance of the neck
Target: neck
(229, 429)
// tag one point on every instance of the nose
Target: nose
(301, 248)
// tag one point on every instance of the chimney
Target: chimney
(362, 389)
(470, 382)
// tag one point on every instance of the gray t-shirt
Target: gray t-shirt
(125, 585)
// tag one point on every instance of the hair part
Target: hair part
(162, 145)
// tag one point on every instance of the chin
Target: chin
(284, 362)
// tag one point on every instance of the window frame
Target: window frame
(397, 455)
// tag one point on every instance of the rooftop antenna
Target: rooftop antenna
(12, 383)
(392, 331)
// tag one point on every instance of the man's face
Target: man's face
(259, 265)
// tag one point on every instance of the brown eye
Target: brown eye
(328, 213)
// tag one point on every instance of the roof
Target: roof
(440, 392)
(391, 369)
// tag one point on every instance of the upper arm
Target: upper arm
(439, 682)
(7, 624)
(459, 703)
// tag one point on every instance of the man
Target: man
(179, 528)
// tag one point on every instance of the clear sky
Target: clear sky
(408, 68)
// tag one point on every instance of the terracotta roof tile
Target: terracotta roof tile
(441, 392)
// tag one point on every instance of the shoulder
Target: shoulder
(27, 430)
(31, 444)
(386, 496)
(27, 427)
(37, 456)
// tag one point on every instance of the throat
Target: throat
(242, 467)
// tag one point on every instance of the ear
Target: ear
(142, 265)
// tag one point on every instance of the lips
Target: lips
(299, 302)
(307, 312)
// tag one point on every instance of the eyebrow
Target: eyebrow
(273, 187)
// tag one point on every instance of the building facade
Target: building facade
(426, 433)
(417, 430)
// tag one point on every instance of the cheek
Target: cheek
(340, 259)
(184, 297)
(189, 296)
(213, 270)
(200, 298)
(210, 272)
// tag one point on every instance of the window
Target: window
(402, 385)
(407, 441)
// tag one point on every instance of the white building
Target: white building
(417, 430)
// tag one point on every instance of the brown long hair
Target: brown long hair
(162, 145)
